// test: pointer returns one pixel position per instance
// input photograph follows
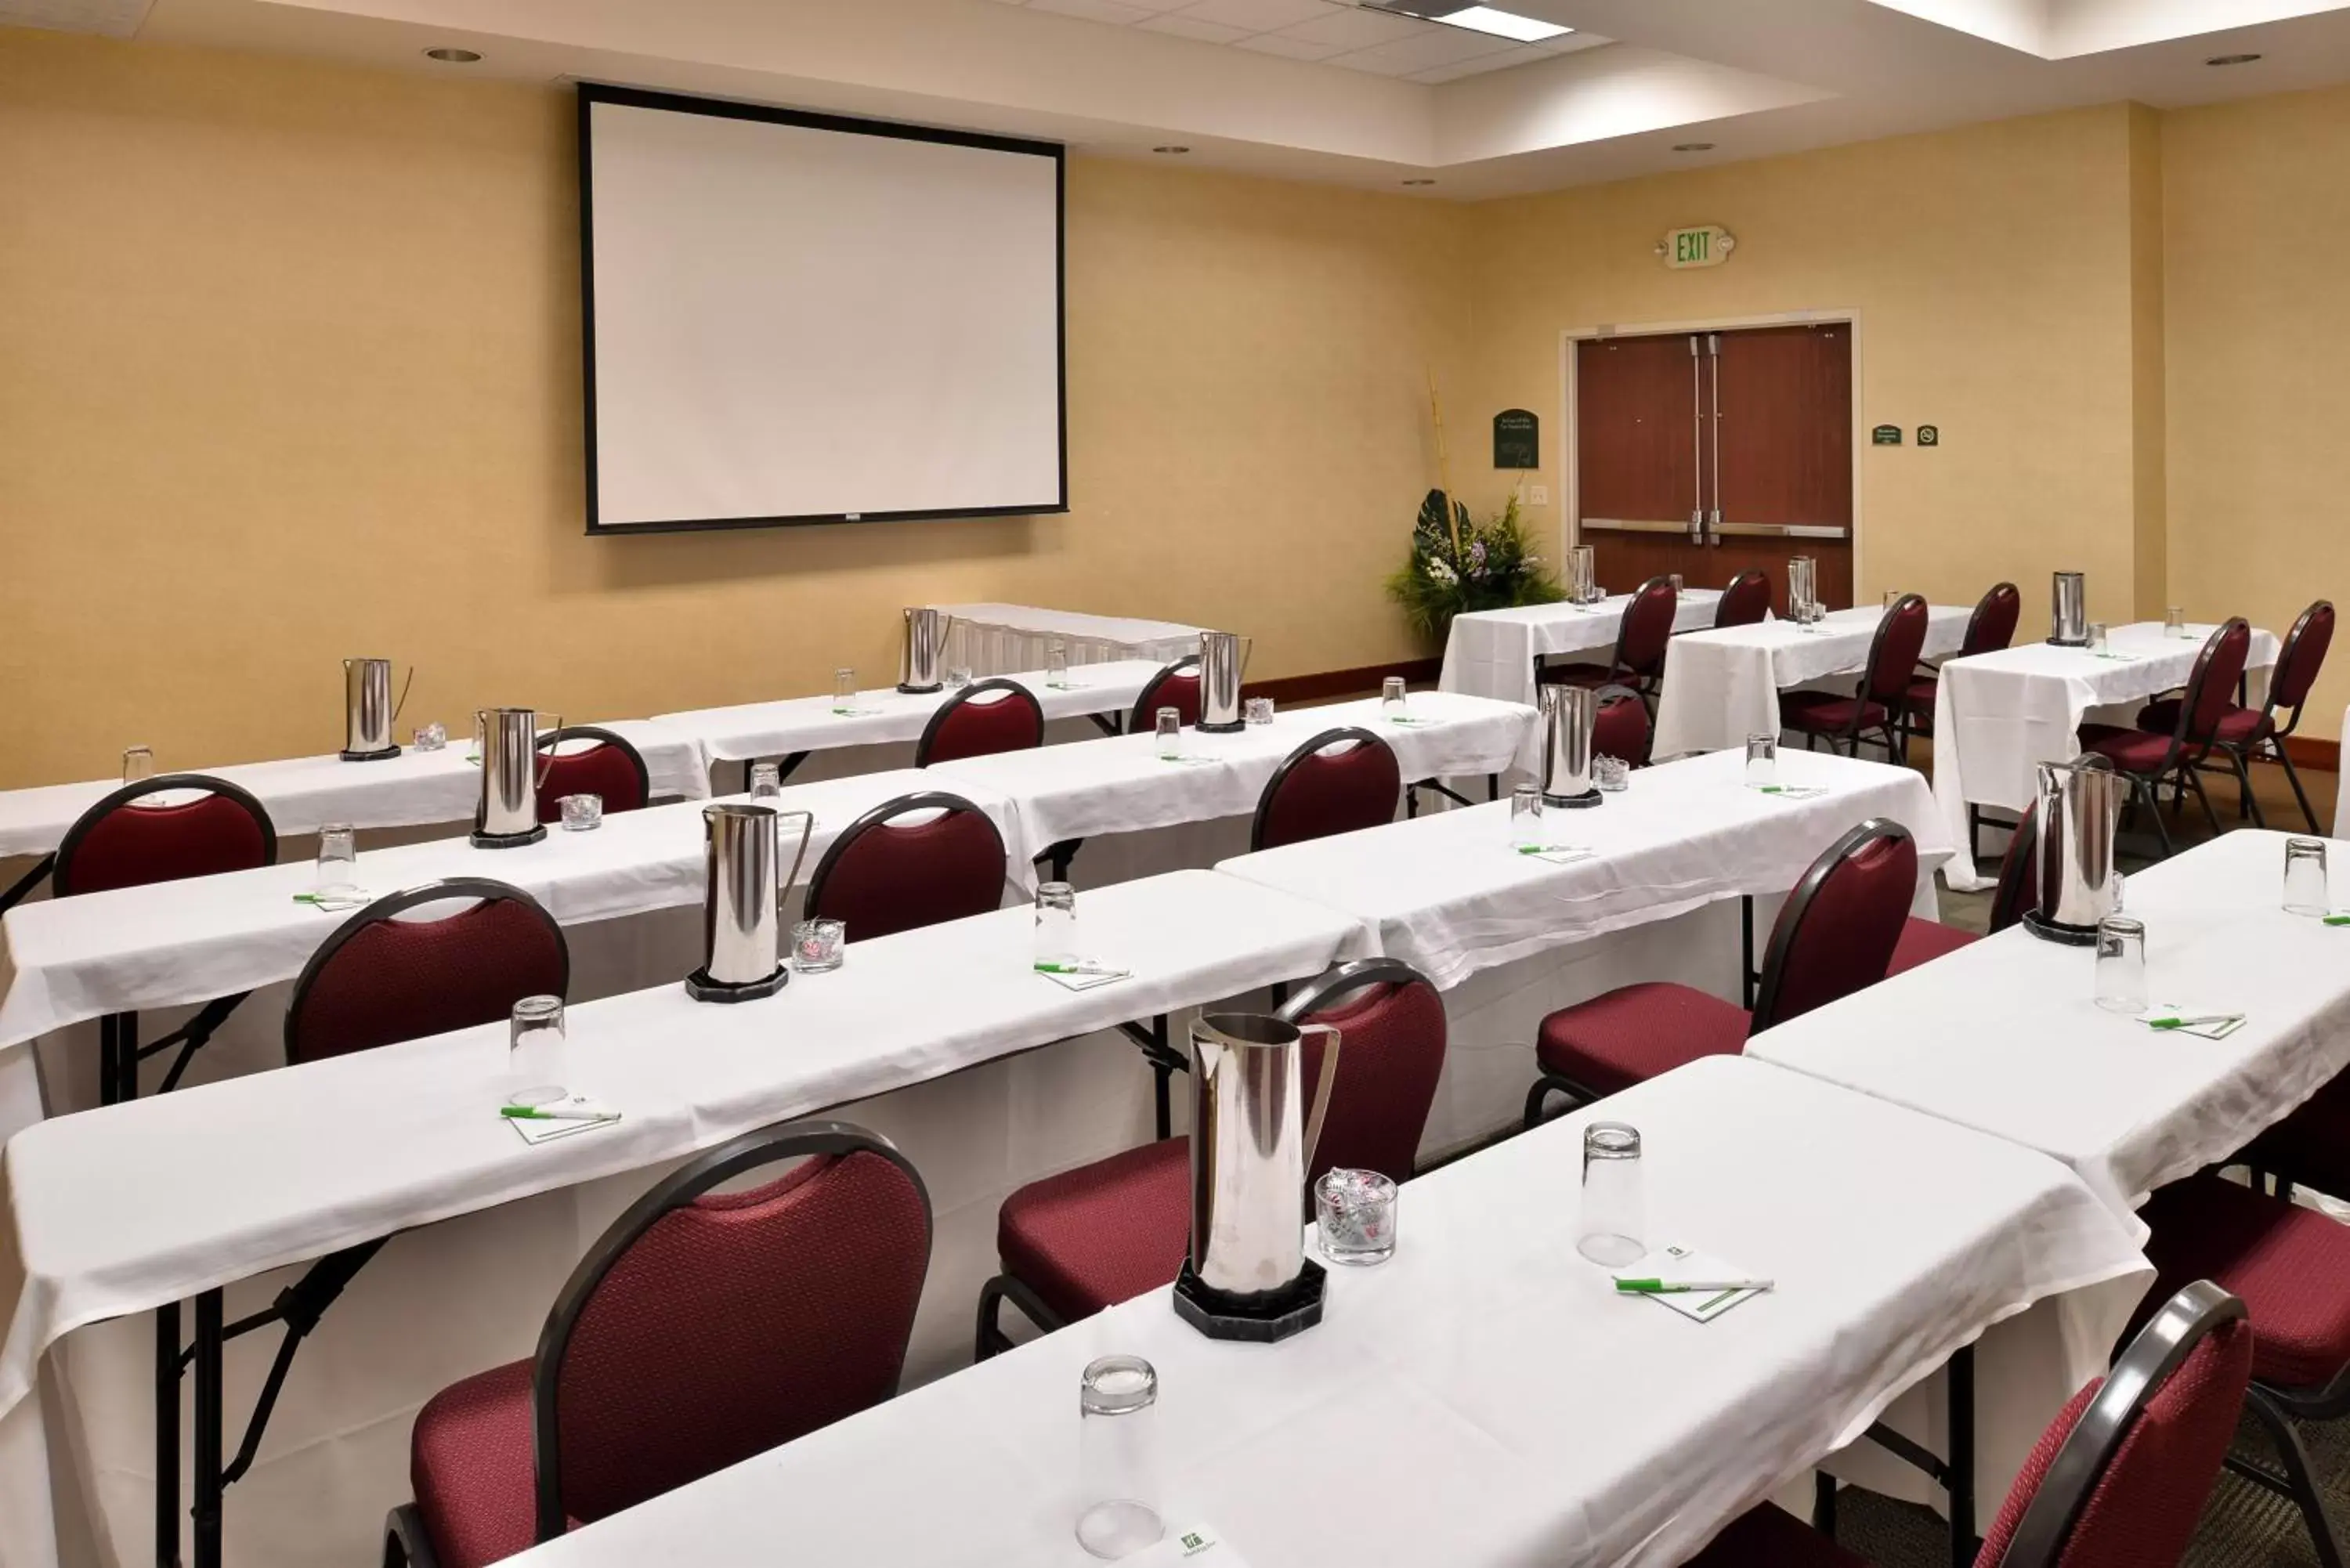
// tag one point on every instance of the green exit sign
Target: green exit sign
(1709, 245)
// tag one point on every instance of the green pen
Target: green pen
(533, 1114)
(1688, 1287)
(2199, 1018)
(2337, 920)
(1076, 969)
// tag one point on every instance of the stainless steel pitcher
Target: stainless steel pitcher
(2075, 824)
(741, 902)
(2068, 610)
(926, 649)
(368, 712)
(1253, 1140)
(1568, 712)
(1803, 587)
(506, 816)
(1223, 657)
(1582, 575)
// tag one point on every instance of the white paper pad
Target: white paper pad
(1087, 981)
(536, 1131)
(1671, 1263)
(1197, 1545)
(1559, 854)
(2220, 1031)
(1790, 791)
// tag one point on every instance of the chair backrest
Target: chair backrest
(2212, 684)
(1341, 781)
(2301, 658)
(1391, 1034)
(1647, 627)
(1992, 626)
(882, 875)
(705, 1327)
(1893, 653)
(608, 766)
(2018, 891)
(1176, 687)
(1746, 600)
(2119, 1479)
(119, 844)
(1009, 719)
(380, 979)
(1837, 932)
(1622, 728)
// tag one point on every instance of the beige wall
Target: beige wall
(290, 370)
(2258, 335)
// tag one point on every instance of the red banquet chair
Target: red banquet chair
(1176, 687)
(703, 1328)
(984, 718)
(608, 766)
(121, 843)
(1341, 780)
(1745, 601)
(2244, 734)
(2118, 1481)
(1622, 728)
(1835, 935)
(1073, 1244)
(1640, 642)
(1922, 941)
(1989, 629)
(883, 875)
(1882, 702)
(2148, 760)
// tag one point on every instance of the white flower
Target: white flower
(1443, 573)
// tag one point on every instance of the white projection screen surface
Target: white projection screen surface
(800, 318)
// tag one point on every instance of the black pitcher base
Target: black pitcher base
(921, 690)
(509, 840)
(1233, 728)
(1590, 797)
(1265, 1317)
(369, 756)
(2058, 931)
(2068, 642)
(702, 988)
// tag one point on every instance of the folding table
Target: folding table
(1722, 686)
(1499, 652)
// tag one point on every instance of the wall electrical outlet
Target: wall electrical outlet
(1537, 494)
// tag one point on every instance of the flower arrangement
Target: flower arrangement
(1458, 565)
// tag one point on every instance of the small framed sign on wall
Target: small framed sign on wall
(1517, 440)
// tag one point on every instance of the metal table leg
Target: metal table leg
(167, 1436)
(208, 1483)
(1961, 1481)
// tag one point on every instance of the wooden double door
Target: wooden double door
(1708, 453)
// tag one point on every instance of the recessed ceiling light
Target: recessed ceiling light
(1420, 182)
(453, 57)
(2232, 59)
(1172, 152)
(1503, 24)
(1693, 146)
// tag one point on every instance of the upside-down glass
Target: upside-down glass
(138, 765)
(2174, 621)
(1356, 1211)
(338, 858)
(1525, 817)
(766, 779)
(1892, 597)
(1171, 734)
(2121, 964)
(1674, 579)
(534, 1036)
(1391, 696)
(2305, 888)
(1614, 1214)
(1056, 924)
(1762, 760)
(2096, 636)
(844, 688)
(1116, 1460)
(1057, 665)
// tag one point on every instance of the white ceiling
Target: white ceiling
(1232, 80)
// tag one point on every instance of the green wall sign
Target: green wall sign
(1517, 440)
(1885, 435)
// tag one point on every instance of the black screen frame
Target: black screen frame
(593, 93)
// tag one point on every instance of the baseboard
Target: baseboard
(1343, 682)
(2309, 752)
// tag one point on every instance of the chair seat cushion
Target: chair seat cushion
(2238, 726)
(1103, 1233)
(2290, 1266)
(1922, 941)
(1923, 690)
(470, 1463)
(1768, 1536)
(1636, 1033)
(2310, 1147)
(2131, 751)
(1825, 714)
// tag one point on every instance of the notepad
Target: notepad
(1193, 1546)
(854, 713)
(335, 903)
(1093, 977)
(1669, 1263)
(1790, 791)
(1408, 721)
(1556, 854)
(538, 1132)
(2228, 1019)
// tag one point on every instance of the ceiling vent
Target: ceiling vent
(109, 18)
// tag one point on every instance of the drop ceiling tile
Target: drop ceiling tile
(1092, 10)
(1290, 49)
(1425, 51)
(1184, 26)
(1259, 16)
(1568, 43)
(1358, 29)
(1522, 55)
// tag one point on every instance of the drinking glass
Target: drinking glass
(1057, 665)
(432, 737)
(1258, 709)
(1116, 1459)
(138, 765)
(2096, 636)
(844, 688)
(581, 813)
(766, 779)
(2121, 964)
(1612, 774)
(1356, 1213)
(1171, 734)
(1892, 597)
(1056, 924)
(1762, 760)
(1614, 1214)
(2305, 890)
(1525, 817)
(2174, 621)
(534, 1036)
(1674, 579)
(1391, 697)
(958, 656)
(338, 858)
(819, 946)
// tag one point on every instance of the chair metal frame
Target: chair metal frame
(880, 816)
(1894, 730)
(1147, 703)
(1309, 747)
(604, 737)
(1969, 646)
(1621, 670)
(1754, 574)
(1015, 692)
(2269, 734)
(2182, 763)
(1618, 693)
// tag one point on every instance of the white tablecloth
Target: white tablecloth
(1484, 1398)
(1493, 653)
(1001, 638)
(411, 790)
(287, 1165)
(1723, 686)
(755, 730)
(2342, 791)
(1447, 894)
(1120, 784)
(2003, 1037)
(1997, 715)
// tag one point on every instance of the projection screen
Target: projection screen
(802, 318)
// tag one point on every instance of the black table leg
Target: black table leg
(1493, 787)
(1824, 1502)
(1960, 1483)
(167, 1436)
(785, 768)
(1746, 950)
(208, 1483)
